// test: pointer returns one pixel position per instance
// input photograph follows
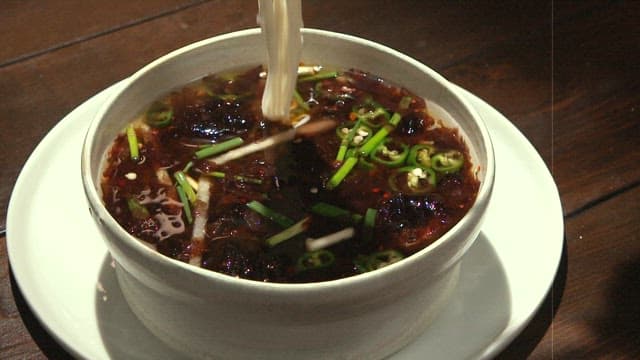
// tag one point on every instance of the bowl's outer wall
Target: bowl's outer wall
(165, 293)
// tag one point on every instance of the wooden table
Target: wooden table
(567, 74)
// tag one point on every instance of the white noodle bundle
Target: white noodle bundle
(280, 21)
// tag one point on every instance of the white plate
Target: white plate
(64, 271)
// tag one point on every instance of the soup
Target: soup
(364, 178)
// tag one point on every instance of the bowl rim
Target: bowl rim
(470, 220)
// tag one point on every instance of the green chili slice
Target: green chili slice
(420, 155)
(270, 214)
(391, 153)
(159, 114)
(383, 258)
(380, 135)
(219, 148)
(353, 137)
(413, 180)
(314, 260)
(447, 162)
(137, 210)
(133, 143)
(375, 118)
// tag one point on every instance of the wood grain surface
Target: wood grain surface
(565, 73)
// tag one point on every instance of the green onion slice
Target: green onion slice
(186, 187)
(185, 203)
(369, 224)
(447, 162)
(314, 260)
(133, 143)
(288, 233)
(300, 101)
(335, 212)
(342, 172)
(219, 148)
(270, 214)
(320, 75)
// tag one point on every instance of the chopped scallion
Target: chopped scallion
(184, 183)
(219, 148)
(185, 203)
(342, 172)
(297, 228)
(321, 75)
(369, 224)
(335, 212)
(133, 142)
(270, 214)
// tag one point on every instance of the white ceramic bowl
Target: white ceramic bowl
(209, 315)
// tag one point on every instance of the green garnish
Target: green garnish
(383, 258)
(391, 153)
(219, 148)
(221, 175)
(321, 75)
(137, 210)
(159, 114)
(405, 102)
(420, 155)
(270, 214)
(369, 224)
(133, 142)
(300, 101)
(185, 203)
(380, 135)
(413, 180)
(182, 181)
(346, 140)
(297, 228)
(447, 162)
(335, 212)
(314, 260)
(342, 172)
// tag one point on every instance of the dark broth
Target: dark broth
(393, 209)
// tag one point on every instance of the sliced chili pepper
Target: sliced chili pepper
(420, 155)
(383, 258)
(159, 114)
(391, 153)
(447, 162)
(313, 260)
(413, 180)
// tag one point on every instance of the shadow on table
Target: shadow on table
(529, 338)
(44, 340)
